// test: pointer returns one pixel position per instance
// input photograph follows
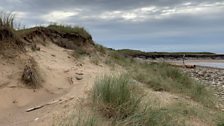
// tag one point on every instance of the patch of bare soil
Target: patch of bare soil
(66, 80)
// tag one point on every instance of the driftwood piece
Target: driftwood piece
(49, 103)
(79, 73)
(41, 106)
(34, 108)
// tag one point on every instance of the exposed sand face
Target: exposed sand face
(59, 71)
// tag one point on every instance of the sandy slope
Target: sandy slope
(59, 71)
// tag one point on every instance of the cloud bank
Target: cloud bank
(151, 25)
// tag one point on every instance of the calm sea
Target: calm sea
(209, 64)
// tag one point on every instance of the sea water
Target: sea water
(209, 64)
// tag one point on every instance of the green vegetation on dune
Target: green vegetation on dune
(147, 113)
(60, 28)
(114, 97)
(163, 77)
(177, 114)
(117, 102)
(77, 119)
(70, 29)
(27, 30)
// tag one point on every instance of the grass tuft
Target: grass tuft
(114, 96)
(7, 26)
(7, 20)
(31, 75)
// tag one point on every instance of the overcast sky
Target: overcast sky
(149, 25)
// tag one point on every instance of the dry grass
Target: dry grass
(7, 20)
(10, 43)
(6, 26)
(31, 75)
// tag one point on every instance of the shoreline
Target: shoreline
(198, 60)
(212, 77)
(208, 67)
(213, 64)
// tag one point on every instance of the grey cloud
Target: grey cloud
(46, 5)
(178, 26)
